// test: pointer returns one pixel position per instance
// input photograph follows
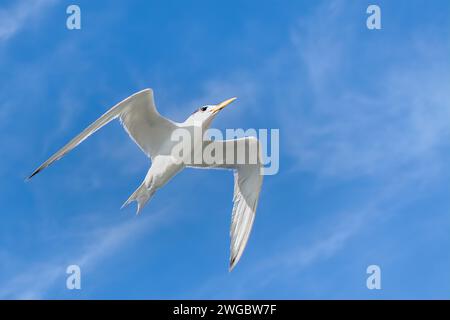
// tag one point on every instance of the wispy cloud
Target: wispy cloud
(39, 278)
(301, 248)
(387, 128)
(352, 131)
(394, 134)
(331, 123)
(21, 13)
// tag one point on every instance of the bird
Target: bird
(153, 134)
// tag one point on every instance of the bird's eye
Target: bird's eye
(203, 108)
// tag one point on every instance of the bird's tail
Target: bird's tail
(141, 196)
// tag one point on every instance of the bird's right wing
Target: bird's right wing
(244, 157)
(139, 117)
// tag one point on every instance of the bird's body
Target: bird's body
(154, 135)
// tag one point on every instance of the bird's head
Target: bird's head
(204, 115)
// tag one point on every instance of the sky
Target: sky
(364, 149)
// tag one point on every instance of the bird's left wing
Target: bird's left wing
(244, 157)
(138, 115)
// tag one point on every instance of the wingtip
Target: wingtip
(31, 175)
(232, 264)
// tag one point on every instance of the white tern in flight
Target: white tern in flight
(154, 134)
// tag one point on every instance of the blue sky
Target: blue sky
(364, 148)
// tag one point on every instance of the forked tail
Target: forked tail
(141, 196)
